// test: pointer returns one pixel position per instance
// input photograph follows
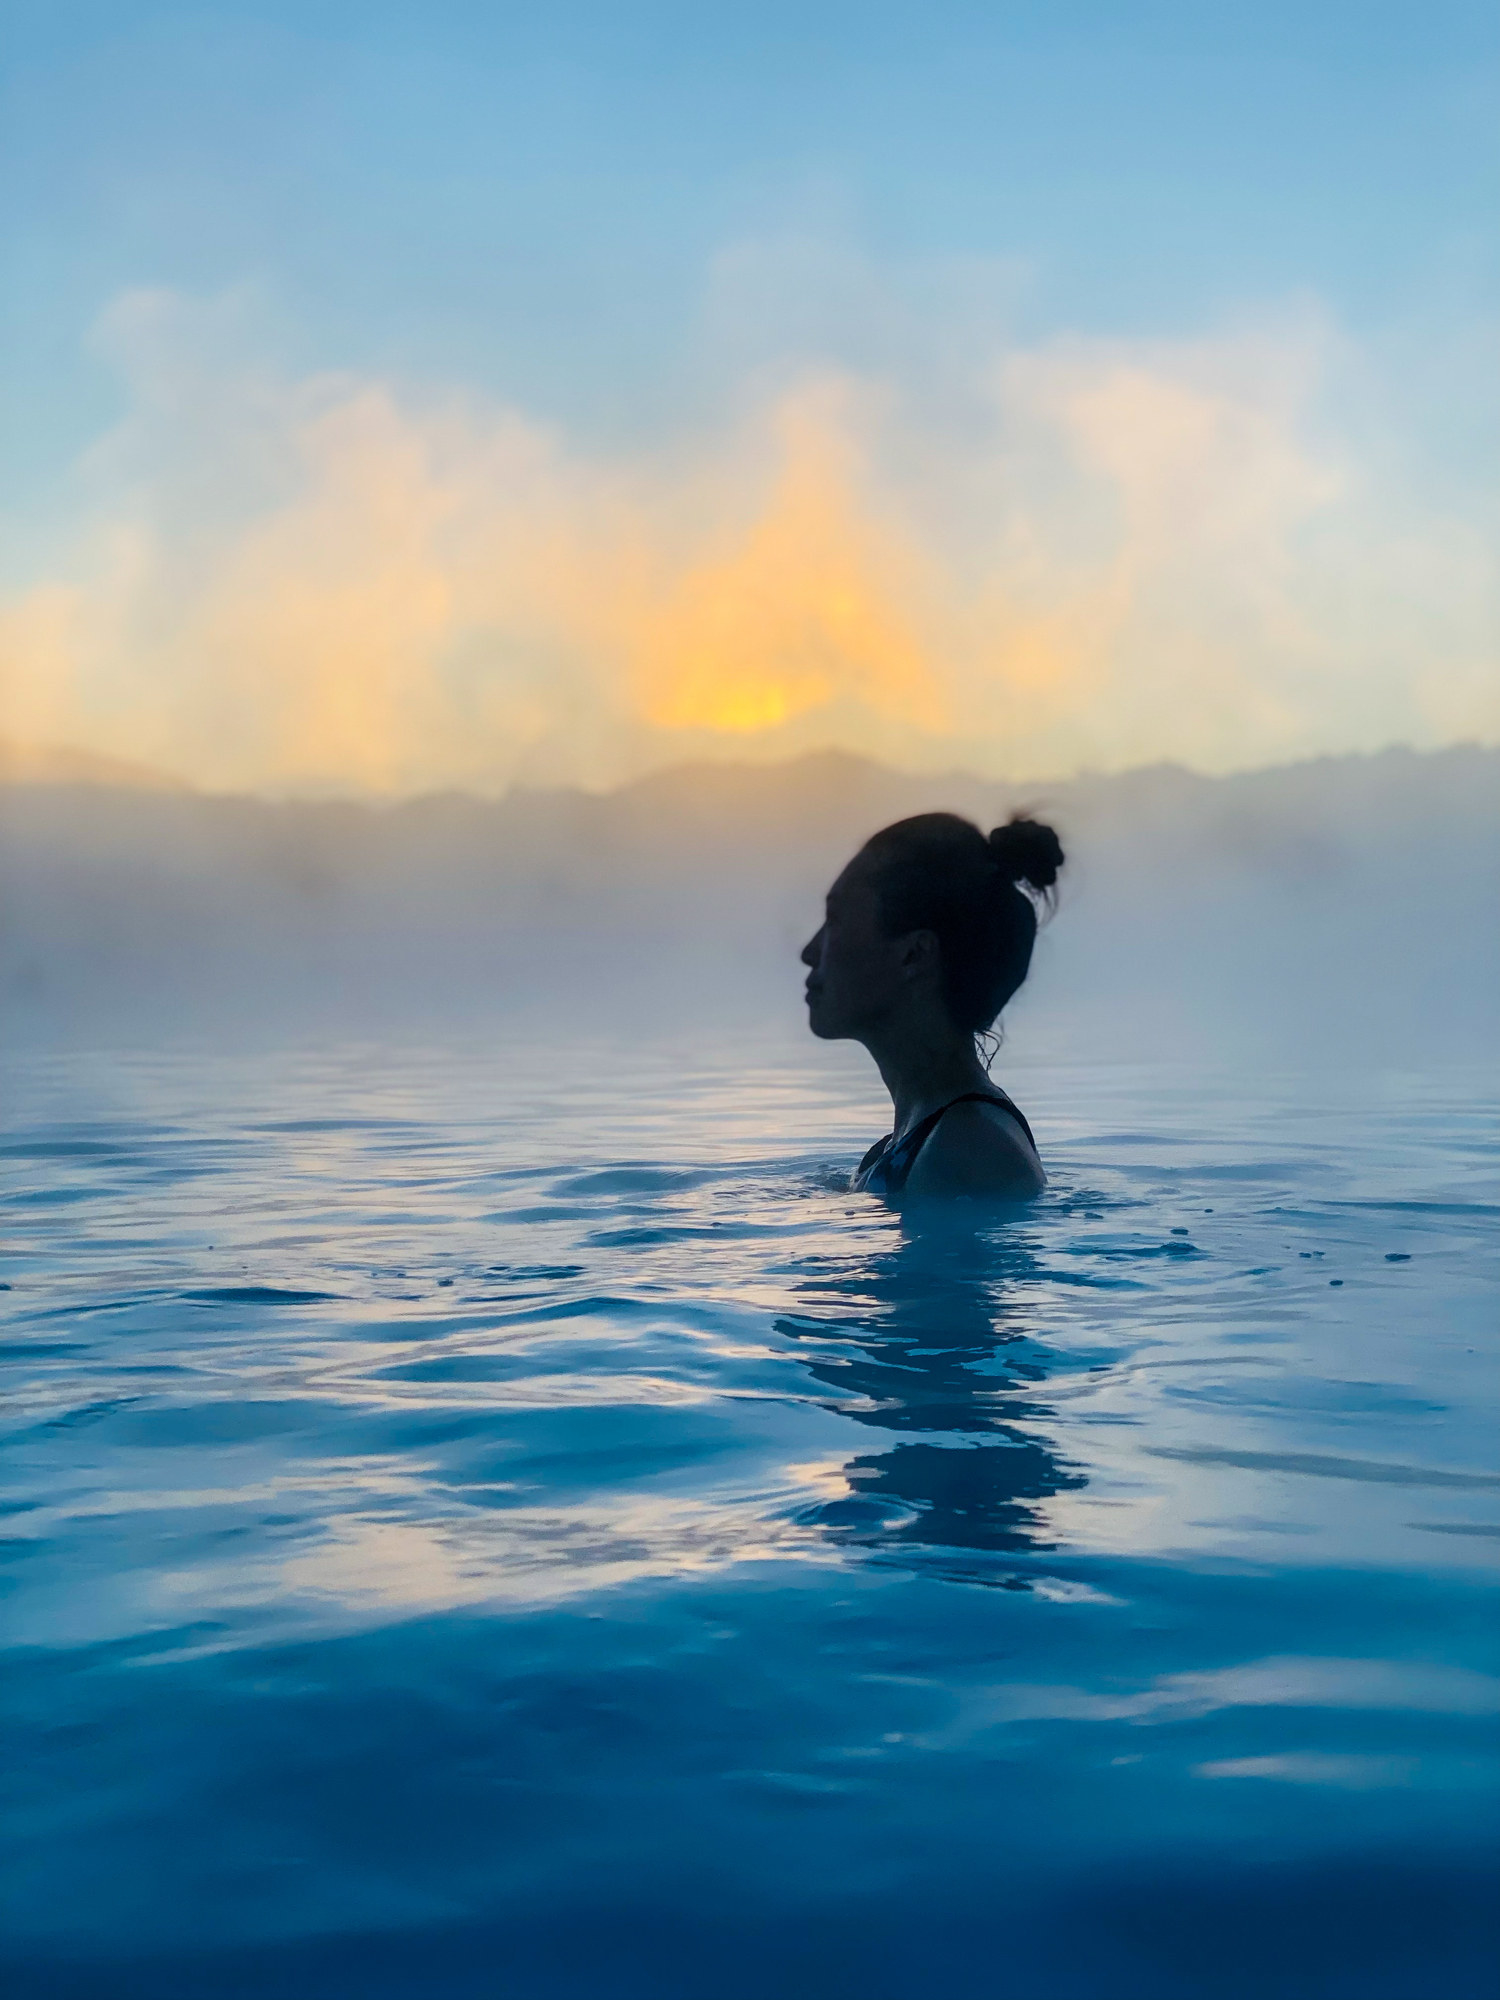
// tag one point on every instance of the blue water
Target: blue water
(510, 1524)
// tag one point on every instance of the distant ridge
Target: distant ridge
(727, 783)
(59, 764)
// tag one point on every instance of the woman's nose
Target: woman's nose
(811, 949)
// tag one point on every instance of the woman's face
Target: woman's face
(855, 972)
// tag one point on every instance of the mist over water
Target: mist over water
(1337, 910)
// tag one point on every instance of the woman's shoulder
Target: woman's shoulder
(978, 1147)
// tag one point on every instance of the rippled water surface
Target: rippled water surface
(509, 1523)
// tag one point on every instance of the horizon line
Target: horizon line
(56, 766)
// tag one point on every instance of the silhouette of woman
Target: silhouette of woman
(926, 935)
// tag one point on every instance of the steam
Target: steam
(1336, 911)
(1080, 553)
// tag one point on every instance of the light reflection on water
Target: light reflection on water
(566, 1403)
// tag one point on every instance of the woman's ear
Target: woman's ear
(919, 954)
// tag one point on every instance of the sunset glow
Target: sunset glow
(809, 607)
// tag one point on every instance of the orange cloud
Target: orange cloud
(812, 602)
(1119, 552)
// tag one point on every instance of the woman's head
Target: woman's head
(929, 913)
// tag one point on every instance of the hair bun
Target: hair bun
(1028, 852)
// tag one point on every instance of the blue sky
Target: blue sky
(529, 196)
(615, 217)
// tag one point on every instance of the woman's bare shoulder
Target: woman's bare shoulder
(977, 1149)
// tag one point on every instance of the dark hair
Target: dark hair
(939, 873)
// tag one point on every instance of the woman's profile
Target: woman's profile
(926, 935)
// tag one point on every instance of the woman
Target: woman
(926, 935)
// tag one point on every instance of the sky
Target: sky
(410, 397)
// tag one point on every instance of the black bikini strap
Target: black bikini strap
(969, 1097)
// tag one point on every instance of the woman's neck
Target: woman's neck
(924, 1071)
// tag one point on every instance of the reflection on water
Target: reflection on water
(913, 1339)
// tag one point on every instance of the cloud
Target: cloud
(1018, 558)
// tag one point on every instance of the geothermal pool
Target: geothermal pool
(507, 1522)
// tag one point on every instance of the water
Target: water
(509, 1523)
